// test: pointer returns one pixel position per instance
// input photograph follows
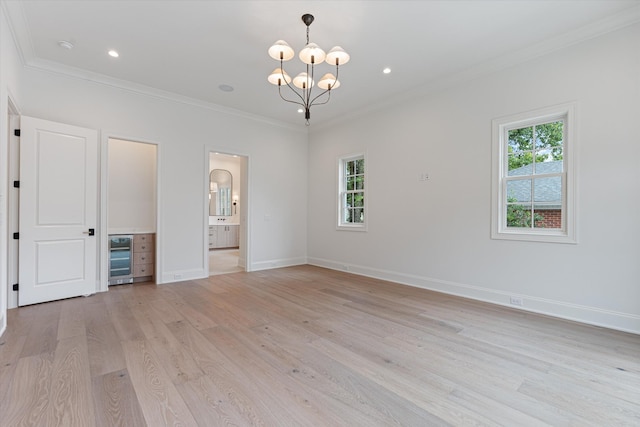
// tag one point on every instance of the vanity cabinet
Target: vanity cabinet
(224, 236)
(143, 257)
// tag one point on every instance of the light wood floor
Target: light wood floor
(224, 261)
(305, 346)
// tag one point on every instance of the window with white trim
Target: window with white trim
(533, 185)
(351, 205)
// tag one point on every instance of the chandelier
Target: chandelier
(311, 55)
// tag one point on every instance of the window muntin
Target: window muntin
(533, 182)
(352, 192)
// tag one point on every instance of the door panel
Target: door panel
(58, 205)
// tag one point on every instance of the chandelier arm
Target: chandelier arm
(309, 85)
(290, 87)
(327, 90)
(288, 100)
(321, 103)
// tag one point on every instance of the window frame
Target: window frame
(500, 128)
(341, 224)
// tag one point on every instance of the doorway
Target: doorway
(131, 211)
(226, 204)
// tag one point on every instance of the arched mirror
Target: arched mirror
(220, 187)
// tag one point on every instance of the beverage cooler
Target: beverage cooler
(120, 259)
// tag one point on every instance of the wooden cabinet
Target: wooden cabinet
(224, 236)
(143, 257)
(213, 236)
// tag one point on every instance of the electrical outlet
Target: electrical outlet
(516, 301)
(177, 276)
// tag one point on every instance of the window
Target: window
(352, 206)
(533, 176)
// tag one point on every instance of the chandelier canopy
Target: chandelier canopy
(311, 55)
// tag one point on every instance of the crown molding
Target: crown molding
(593, 30)
(17, 22)
(51, 67)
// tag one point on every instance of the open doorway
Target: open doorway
(226, 195)
(132, 211)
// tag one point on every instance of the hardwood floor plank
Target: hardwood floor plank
(71, 321)
(43, 332)
(176, 361)
(159, 400)
(226, 376)
(103, 345)
(27, 397)
(378, 404)
(209, 405)
(115, 401)
(70, 402)
(121, 317)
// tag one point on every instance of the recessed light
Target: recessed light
(65, 44)
(113, 53)
(386, 70)
(226, 88)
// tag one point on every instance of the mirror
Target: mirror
(220, 186)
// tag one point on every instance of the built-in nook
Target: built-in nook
(225, 213)
(132, 211)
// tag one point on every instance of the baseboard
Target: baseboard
(182, 275)
(590, 315)
(277, 263)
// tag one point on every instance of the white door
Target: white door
(58, 211)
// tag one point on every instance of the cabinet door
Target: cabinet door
(221, 240)
(234, 236)
(213, 232)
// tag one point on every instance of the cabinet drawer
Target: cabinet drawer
(142, 258)
(143, 238)
(143, 270)
(142, 246)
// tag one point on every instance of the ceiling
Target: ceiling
(187, 49)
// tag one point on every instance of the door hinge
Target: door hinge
(16, 132)
(16, 184)
(15, 287)
(16, 236)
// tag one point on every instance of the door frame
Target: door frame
(245, 197)
(104, 207)
(8, 208)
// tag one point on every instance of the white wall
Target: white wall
(182, 131)
(132, 187)
(10, 83)
(436, 234)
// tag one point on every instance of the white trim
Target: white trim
(278, 263)
(499, 127)
(626, 322)
(181, 275)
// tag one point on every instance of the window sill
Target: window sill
(545, 237)
(350, 227)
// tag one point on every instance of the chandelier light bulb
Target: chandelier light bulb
(337, 56)
(328, 81)
(312, 54)
(281, 50)
(276, 77)
(303, 81)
